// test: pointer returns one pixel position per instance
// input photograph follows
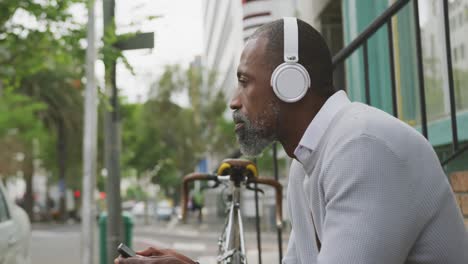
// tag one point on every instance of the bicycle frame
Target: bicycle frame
(231, 243)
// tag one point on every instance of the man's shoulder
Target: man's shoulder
(364, 119)
(359, 119)
(362, 123)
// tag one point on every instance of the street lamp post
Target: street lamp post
(112, 131)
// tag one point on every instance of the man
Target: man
(364, 187)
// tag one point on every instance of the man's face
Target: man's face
(256, 108)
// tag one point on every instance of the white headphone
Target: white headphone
(290, 80)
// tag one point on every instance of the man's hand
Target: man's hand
(155, 256)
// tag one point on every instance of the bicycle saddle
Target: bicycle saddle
(238, 166)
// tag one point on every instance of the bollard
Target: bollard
(127, 221)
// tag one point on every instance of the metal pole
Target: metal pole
(392, 67)
(366, 72)
(257, 224)
(448, 48)
(279, 229)
(455, 155)
(112, 149)
(89, 144)
(422, 95)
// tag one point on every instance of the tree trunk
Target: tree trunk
(28, 172)
(62, 163)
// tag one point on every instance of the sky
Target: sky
(178, 39)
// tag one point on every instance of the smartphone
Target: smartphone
(125, 251)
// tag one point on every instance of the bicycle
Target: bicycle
(234, 173)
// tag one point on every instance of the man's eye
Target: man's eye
(242, 81)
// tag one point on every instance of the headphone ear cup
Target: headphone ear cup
(290, 82)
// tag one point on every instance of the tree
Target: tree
(63, 118)
(26, 42)
(19, 127)
(44, 62)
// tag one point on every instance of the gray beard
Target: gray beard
(251, 141)
(252, 137)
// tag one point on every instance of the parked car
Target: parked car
(138, 209)
(15, 232)
(164, 210)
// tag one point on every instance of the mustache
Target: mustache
(238, 117)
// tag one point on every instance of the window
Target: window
(4, 214)
(462, 51)
(452, 25)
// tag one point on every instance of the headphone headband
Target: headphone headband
(291, 42)
(290, 80)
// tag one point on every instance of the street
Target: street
(54, 243)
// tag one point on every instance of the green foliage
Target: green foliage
(19, 126)
(27, 49)
(47, 11)
(135, 193)
(460, 77)
(41, 65)
(265, 163)
(57, 85)
(434, 97)
(110, 51)
(18, 115)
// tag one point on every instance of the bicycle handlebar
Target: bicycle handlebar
(190, 178)
(278, 194)
(211, 177)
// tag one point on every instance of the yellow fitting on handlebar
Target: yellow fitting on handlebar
(253, 169)
(224, 169)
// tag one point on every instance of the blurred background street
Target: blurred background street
(105, 105)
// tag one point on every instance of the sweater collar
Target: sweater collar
(316, 129)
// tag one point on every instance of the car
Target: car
(164, 210)
(138, 209)
(128, 205)
(15, 231)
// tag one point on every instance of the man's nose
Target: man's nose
(235, 102)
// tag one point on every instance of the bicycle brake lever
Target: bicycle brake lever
(216, 184)
(250, 187)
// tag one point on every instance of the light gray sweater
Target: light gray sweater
(377, 194)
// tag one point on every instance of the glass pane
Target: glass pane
(406, 71)
(458, 12)
(4, 215)
(434, 59)
(435, 72)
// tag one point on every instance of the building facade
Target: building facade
(222, 41)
